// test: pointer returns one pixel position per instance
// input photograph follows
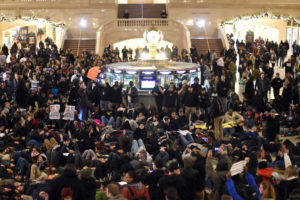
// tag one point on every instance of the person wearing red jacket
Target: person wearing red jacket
(134, 188)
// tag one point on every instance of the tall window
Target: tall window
(289, 35)
(295, 35)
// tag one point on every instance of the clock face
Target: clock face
(153, 36)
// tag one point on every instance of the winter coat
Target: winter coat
(139, 190)
(84, 102)
(218, 178)
(151, 180)
(116, 94)
(133, 94)
(67, 179)
(277, 83)
(223, 88)
(193, 181)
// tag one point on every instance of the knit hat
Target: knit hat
(86, 173)
(66, 192)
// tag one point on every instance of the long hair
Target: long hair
(269, 191)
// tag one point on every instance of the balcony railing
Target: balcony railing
(142, 22)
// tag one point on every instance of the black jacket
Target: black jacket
(197, 88)
(269, 72)
(67, 179)
(151, 180)
(263, 85)
(258, 103)
(84, 102)
(249, 90)
(133, 94)
(170, 99)
(287, 96)
(116, 94)
(89, 188)
(204, 101)
(21, 94)
(286, 187)
(190, 99)
(217, 108)
(277, 83)
(174, 180)
(105, 93)
(272, 128)
(193, 181)
(223, 88)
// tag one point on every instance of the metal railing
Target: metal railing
(142, 22)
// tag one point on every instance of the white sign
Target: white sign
(237, 167)
(54, 111)
(69, 113)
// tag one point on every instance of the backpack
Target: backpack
(133, 196)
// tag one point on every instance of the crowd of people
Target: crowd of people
(172, 53)
(187, 146)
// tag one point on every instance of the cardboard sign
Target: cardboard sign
(69, 113)
(237, 167)
(54, 111)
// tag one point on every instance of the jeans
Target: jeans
(218, 131)
(136, 145)
(185, 140)
(103, 104)
(83, 114)
(34, 143)
(107, 122)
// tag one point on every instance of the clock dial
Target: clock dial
(153, 36)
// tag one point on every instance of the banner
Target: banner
(69, 113)
(54, 111)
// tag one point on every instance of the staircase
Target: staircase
(202, 47)
(88, 44)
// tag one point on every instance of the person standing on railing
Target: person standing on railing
(164, 14)
(126, 14)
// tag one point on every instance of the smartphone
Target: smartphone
(122, 183)
(217, 149)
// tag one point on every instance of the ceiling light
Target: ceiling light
(83, 23)
(200, 23)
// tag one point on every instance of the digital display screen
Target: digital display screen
(147, 84)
